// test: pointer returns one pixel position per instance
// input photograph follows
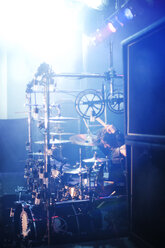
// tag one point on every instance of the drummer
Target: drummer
(111, 143)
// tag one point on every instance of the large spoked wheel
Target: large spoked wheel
(89, 103)
(116, 102)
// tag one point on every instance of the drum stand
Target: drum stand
(81, 186)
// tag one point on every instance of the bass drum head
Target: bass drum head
(29, 225)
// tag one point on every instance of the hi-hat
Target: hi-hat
(53, 142)
(95, 160)
(84, 139)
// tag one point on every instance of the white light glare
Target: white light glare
(111, 27)
(95, 4)
(47, 27)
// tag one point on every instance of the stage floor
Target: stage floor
(124, 242)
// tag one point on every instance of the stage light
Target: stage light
(47, 29)
(128, 14)
(111, 27)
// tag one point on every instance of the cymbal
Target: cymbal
(67, 167)
(58, 133)
(37, 153)
(76, 171)
(95, 160)
(84, 140)
(55, 121)
(53, 142)
(62, 118)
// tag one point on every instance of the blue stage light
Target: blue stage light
(128, 14)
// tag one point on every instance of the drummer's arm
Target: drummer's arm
(122, 150)
(110, 129)
(117, 152)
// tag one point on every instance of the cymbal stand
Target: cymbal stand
(29, 143)
(81, 186)
(46, 150)
(89, 177)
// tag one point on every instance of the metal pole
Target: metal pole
(47, 157)
(85, 75)
(46, 144)
(29, 123)
(104, 97)
(111, 68)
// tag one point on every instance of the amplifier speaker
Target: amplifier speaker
(143, 59)
(144, 86)
(147, 191)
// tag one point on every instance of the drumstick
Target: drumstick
(101, 122)
(109, 128)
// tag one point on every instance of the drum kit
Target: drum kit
(48, 174)
(51, 179)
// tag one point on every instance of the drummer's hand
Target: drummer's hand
(123, 150)
(110, 129)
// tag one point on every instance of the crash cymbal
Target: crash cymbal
(53, 142)
(84, 140)
(60, 134)
(95, 160)
(62, 118)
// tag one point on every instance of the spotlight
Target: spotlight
(119, 19)
(111, 27)
(128, 14)
(125, 15)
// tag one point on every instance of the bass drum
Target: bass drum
(29, 224)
